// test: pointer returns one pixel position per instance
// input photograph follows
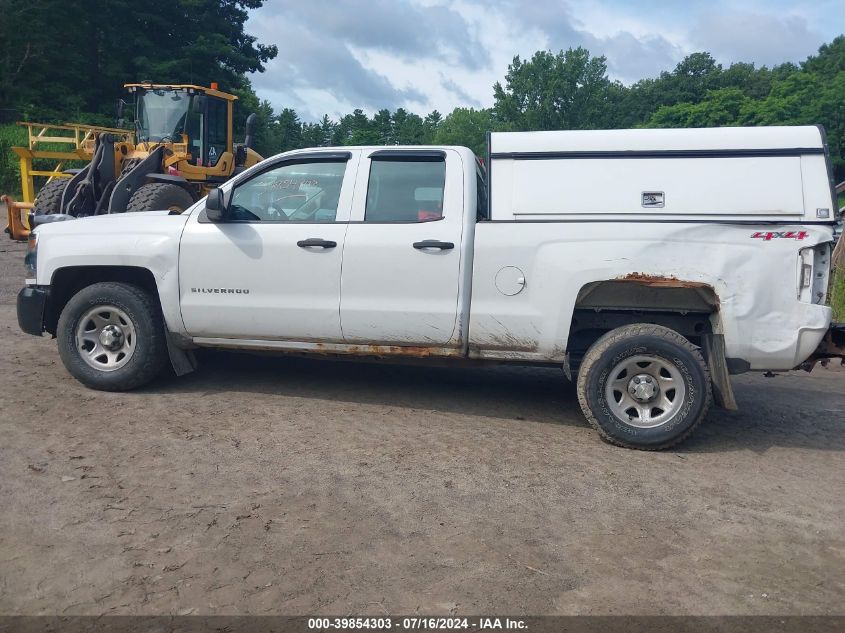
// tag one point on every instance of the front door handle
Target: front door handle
(443, 246)
(316, 242)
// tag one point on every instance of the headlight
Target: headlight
(30, 258)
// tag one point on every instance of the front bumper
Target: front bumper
(31, 303)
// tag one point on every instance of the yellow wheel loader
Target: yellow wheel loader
(181, 147)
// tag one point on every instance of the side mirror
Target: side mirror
(119, 112)
(249, 137)
(215, 205)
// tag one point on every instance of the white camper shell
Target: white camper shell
(776, 173)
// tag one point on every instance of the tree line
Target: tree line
(62, 61)
(571, 90)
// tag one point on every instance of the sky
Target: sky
(338, 55)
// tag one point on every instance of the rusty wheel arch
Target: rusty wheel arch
(691, 308)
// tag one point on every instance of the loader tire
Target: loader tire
(160, 196)
(111, 337)
(644, 386)
(49, 199)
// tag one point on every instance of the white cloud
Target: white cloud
(440, 54)
(756, 37)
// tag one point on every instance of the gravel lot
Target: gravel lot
(292, 486)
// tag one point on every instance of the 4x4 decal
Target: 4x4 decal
(770, 235)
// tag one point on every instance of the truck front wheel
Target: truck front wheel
(111, 337)
(644, 386)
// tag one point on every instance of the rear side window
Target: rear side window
(405, 190)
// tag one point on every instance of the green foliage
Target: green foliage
(467, 127)
(720, 107)
(837, 295)
(785, 95)
(76, 55)
(285, 131)
(564, 91)
(829, 61)
(10, 136)
(357, 129)
(289, 131)
(67, 61)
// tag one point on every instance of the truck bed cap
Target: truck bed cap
(723, 138)
(709, 174)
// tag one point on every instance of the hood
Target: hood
(139, 223)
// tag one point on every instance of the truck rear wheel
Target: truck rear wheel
(160, 196)
(644, 386)
(49, 199)
(111, 337)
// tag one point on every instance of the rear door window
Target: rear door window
(406, 190)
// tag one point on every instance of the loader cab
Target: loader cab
(198, 116)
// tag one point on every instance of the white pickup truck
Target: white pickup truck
(651, 264)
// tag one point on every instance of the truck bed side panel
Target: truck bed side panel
(755, 281)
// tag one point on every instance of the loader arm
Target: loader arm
(87, 190)
(134, 178)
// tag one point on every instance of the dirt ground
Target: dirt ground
(290, 486)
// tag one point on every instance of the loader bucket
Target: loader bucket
(18, 222)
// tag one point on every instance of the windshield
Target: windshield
(162, 114)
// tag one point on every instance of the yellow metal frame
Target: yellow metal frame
(17, 218)
(202, 89)
(43, 133)
(80, 141)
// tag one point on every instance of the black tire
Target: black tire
(49, 199)
(662, 353)
(149, 352)
(160, 196)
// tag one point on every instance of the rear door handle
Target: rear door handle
(443, 246)
(316, 242)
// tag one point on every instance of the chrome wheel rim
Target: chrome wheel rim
(645, 391)
(105, 338)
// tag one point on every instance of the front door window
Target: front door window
(306, 192)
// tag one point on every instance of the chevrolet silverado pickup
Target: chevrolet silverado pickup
(649, 265)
